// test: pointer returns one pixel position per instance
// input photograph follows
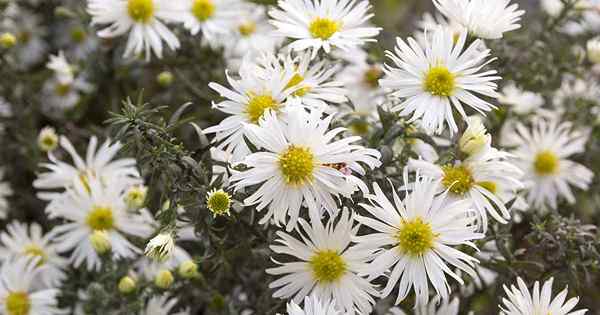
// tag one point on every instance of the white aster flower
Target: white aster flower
(434, 307)
(19, 293)
(323, 25)
(521, 102)
(143, 19)
(99, 164)
(520, 301)
(543, 153)
(430, 22)
(488, 19)
(215, 18)
(160, 247)
(98, 221)
(47, 139)
(5, 192)
(313, 306)
(252, 34)
(436, 78)
(21, 240)
(64, 89)
(325, 264)
(246, 101)
(161, 305)
(415, 239)
(302, 164)
(63, 72)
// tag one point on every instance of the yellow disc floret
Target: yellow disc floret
(327, 266)
(35, 251)
(100, 218)
(458, 179)
(141, 11)
(218, 202)
(372, 76)
(324, 28)
(247, 29)
(17, 303)
(415, 237)
(297, 165)
(439, 81)
(257, 106)
(203, 9)
(546, 163)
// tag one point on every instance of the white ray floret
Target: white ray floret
(520, 301)
(313, 306)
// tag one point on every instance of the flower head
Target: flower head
(160, 247)
(218, 202)
(520, 301)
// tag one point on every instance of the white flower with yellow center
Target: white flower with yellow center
(142, 19)
(99, 164)
(64, 89)
(434, 307)
(520, 301)
(98, 221)
(63, 72)
(442, 76)
(215, 18)
(160, 247)
(20, 293)
(252, 34)
(301, 164)
(314, 24)
(20, 240)
(313, 306)
(543, 153)
(323, 262)
(488, 19)
(47, 139)
(414, 240)
(521, 102)
(5, 192)
(248, 99)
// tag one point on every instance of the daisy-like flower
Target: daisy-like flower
(317, 24)
(415, 238)
(313, 306)
(301, 165)
(521, 102)
(64, 90)
(215, 18)
(325, 264)
(433, 308)
(160, 247)
(247, 101)
(543, 153)
(47, 139)
(99, 218)
(486, 177)
(252, 34)
(20, 240)
(19, 293)
(99, 164)
(436, 78)
(520, 301)
(5, 192)
(488, 19)
(143, 19)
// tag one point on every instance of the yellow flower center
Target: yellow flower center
(62, 89)
(415, 237)
(141, 11)
(203, 9)
(100, 218)
(78, 35)
(372, 76)
(327, 266)
(33, 250)
(439, 81)
(546, 163)
(324, 28)
(458, 179)
(257, 106)
(297, 165)
(294, 82)
(218, 202)
(489, 186)
(17, 303)
(247, 29)
(360, 127)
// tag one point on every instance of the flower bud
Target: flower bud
(136, 196)
(8, 40)
(164, 78)
(475, 138)
(188, 269)
(160, 247)
(127, 285)
(100, 242)
(218, 202)
(47, 139)
(164, 279)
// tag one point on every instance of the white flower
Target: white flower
(143, 19)
(161, 305)
(5, 191)
(252, 34)
(324, 24)
(63, 72)
(247, 100)
(160, 247)
(430, 22)
(215, 18)
(98, 164)
(543, 153)
(313, 306)
(487, 19)
(439, 77)
(433, 308)
(19, 293)
(97, 207)
(521, 102)
(415, 238)
(47, 139)
(521, 302)
(20, 240)
(325, 264)
(64, 90)
(593, 50)
(301, 165)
